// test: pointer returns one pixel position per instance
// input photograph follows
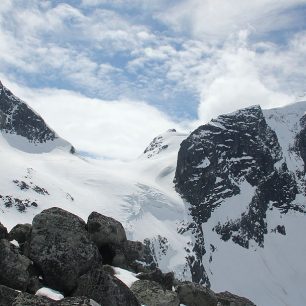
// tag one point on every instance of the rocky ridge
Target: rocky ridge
(17, 118)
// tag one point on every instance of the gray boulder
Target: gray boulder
(134, 250)
(77, 301)
(228, 299)
(166, 280)
(192, 294)
(105, 230)
(105, 289)
(25, 299)
(11, 297)
(152, 294)
(60, 246)
(7, 296)
(3, 232)
(20, 233)
(14, 267)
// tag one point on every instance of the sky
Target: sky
(109, 76)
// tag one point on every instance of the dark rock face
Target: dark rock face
(151, 293)
(17, 118)
(3, 232)
(105, 289)
(301, 141)
(60, 246)
(216, 156)
(229, 299)
(14, 267)
(193, 294)
(212, 164)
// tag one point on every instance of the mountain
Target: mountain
(23, 128)
(243, 175)
(222, 206)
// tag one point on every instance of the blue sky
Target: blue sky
(183, 61)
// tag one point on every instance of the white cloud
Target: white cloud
(112, 129)
(215, 19)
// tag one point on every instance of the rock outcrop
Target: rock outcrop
(105, 289)
(152, 293)
(14, 267)
(60, 246)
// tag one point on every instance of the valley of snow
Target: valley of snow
(141, 195)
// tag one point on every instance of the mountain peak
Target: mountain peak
(23, 128)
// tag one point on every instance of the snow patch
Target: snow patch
(49, 293)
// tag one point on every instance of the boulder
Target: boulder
(20, 233)
(25, 299)
(105, 230)
(61, 248)
(11, 297)
(105, 289)
(134, 250)
(3, 232)
(192, 294)
(166, 280)
(14, 267)
(7, 296)
(228, 299)
(77, 301)
(152, 293)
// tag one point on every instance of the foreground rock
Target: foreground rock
(152, 293)
(227, 298)
(66, 258)
(166, 280)
(10, 297)
(193, 294)
(105, 230)
(7, 296)
(105, 289)
(14, 267)
(60, 246)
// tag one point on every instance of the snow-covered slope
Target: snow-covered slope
(140, 194)
(229, 231)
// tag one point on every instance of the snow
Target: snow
(139, 193)
(15, 243)
(125, 276)
(204, 164)
(49, 293)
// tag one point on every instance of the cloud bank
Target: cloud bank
(139, 67)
